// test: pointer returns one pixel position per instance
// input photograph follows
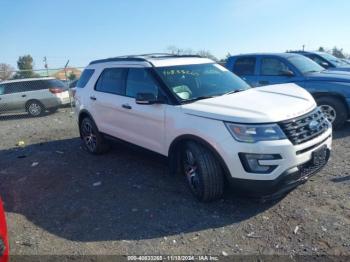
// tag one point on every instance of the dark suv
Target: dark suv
(331, 89)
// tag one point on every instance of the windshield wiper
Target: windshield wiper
(312, 71)
(198, 98)
(234, 91)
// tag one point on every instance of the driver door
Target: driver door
(143, 124)
(272, 71)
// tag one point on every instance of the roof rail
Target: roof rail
(140, 58)
(118, 59)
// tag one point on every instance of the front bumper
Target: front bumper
(289, 171)
(287, 181)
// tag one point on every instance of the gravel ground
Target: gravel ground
(61, 200)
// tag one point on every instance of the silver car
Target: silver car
(34, 96)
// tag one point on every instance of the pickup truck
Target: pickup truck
(331, 89)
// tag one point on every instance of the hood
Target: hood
(266, 104)
(330, 75)
(340, 68)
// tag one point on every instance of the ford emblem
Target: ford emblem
(313, 125)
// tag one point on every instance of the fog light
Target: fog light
(251, 163)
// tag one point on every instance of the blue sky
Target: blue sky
(83, 30)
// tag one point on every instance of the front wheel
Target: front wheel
(334, 110)
(93, 140)
(203, 172)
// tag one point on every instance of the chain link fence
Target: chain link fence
(36, 104)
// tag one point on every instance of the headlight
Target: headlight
(254, 133)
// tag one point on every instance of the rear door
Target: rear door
(272, 70)
(116, 113)
(106, 100)
(37, 90)
(245, 68)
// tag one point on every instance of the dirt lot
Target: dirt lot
(61, 200)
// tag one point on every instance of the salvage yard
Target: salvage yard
(61, 200)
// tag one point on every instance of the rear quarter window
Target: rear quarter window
(54, 83)
(85, 77)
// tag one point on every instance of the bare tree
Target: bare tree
(6, 71)
(338, 52)
(179, 51)
(207, 54)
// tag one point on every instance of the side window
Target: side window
(53, 83)
(85, 77)
(140, 81)
(11, 88)
(273, 67)
(32, 86)
(112, 80)
(244, 66)
(319, 60)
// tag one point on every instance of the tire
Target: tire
(35, 108)
(93, 140)
(334, 109)
(202, 171)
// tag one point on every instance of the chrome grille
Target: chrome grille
(299, 130)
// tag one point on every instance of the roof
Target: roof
(307, 52)
(156, 60)
(27, 80)
(286, 55)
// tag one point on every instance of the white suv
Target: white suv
(211, 125)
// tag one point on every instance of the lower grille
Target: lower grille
(306, 170)
(306, 127)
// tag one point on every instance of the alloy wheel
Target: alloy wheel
(34, 109)
(191, 170)
(329, 112)
(89, 136)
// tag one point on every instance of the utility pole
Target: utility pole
(46, 66)
(303, 47)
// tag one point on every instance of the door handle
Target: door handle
(264, 82)
(93, 98)
(126, 106)
(24, 95)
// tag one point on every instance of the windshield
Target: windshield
(194, 82)
(332, 59)
(304, 64)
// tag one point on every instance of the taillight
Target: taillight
(55, 90)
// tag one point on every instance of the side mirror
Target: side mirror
(288, 73)
(146, 99)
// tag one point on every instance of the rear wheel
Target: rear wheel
(334, 110)
(203, 172)
(93, 140)
(35, 108)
